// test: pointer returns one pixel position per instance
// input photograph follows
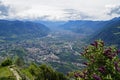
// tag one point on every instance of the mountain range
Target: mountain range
(87, 27)
(110, 34)
(108, 31)
(10, 30)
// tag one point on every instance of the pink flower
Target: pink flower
(101, 69)
(96, 77)
(85, 63)
(118, 69)
(76, 75)
(95, 44)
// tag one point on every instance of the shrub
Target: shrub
(102, 63)
(6, 62)
(44, 72)
(19, 62)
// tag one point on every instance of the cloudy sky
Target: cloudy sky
(59, 9)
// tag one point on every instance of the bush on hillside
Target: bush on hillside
(44, 72)
(19, 62)
(6, 62)
(102, 63)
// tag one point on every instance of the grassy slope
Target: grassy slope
(6, 74)
(27, 73)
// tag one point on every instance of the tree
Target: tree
(6, 62)
(19, 62)
(44, 72)
(34, 70)
(102, 63)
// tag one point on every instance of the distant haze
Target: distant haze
(59, 9)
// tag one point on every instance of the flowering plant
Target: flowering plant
(102, 63)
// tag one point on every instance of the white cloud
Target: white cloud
(76, 15)
(4, 10)
(113, 9)
(59, 9)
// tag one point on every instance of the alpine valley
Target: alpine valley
(59, 45)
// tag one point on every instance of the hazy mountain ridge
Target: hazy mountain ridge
(84, 26)
(110, 33)
(21, 30)
(51, 24)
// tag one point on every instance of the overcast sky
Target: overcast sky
(59, 9)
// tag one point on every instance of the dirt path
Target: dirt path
(15, 73)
